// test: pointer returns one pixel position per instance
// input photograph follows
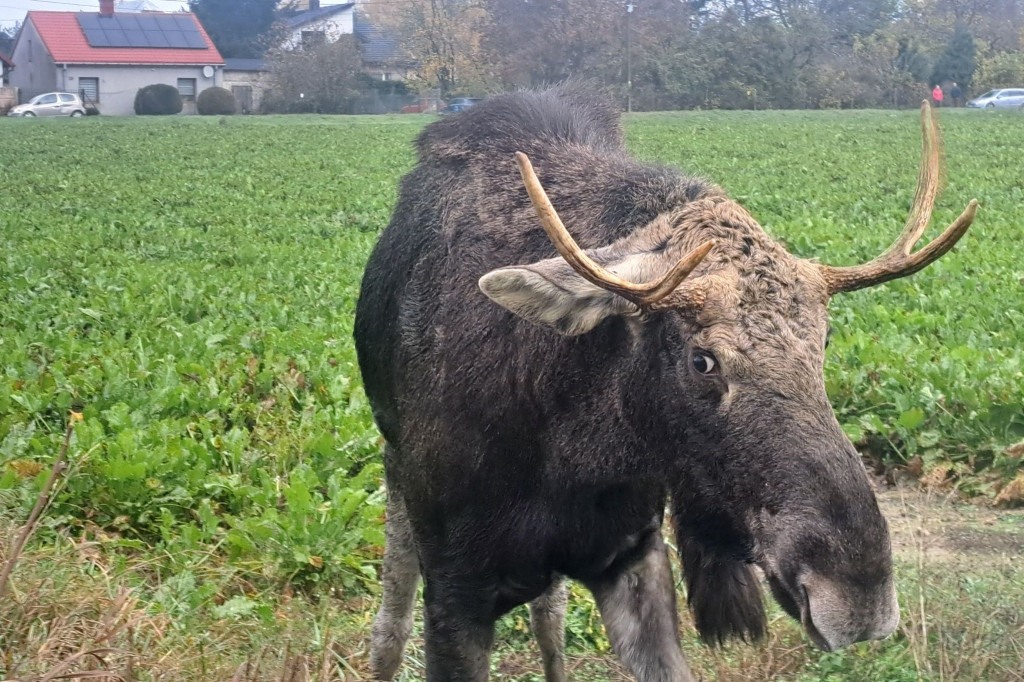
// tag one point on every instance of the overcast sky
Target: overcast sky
(13, 11)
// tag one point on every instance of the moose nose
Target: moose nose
(835, 616)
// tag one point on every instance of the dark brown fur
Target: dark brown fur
(547, 442)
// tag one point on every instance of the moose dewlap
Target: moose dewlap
(547, 388)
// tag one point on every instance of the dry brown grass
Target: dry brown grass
(70, 616)
(67, 625)
(79, 608)
(781, 656)
(949, 634)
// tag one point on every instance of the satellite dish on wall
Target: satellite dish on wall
(208, 71)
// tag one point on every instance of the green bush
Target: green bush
(216, 102)
(1004, 70)
(158, 99)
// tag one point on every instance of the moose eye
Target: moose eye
(704, 362)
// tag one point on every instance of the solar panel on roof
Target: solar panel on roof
(97, 38)
(136, 38)
(129, 22)
(175, 38)
(155, 39)
(88, 21)
(195, 40)
(148, 23)
(123, 30)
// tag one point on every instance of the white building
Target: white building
(136, 6)
(107, 57)
(321, 23)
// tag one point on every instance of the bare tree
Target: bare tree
(442, 37)
(324, 80)
(7, 36)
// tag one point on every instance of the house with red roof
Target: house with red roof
(108, 56)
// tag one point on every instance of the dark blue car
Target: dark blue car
(461, 104)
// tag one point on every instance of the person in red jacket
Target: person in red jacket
(937, 95)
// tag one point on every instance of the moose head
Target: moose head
(761, 472)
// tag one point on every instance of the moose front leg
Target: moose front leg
(458, 629)
(638, 607)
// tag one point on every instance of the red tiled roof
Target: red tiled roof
(66, 43)
(6, 61)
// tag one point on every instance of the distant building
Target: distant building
(310, 28)
(382, 55)
(303, 5)
(248, 80)
(136, 6)
(310, 23)
(106, 56)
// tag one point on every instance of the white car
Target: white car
(1005, 98)
(51, 104)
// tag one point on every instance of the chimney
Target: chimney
(107, 8)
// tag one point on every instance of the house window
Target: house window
(187, 89)
(89, 89)
(313, 39)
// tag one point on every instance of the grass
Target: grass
(187, 286)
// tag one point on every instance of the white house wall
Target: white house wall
(119, 84)
(34, 71)
(333, 28)
(303, 5)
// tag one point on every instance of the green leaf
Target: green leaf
(236, 607)
(911, 419)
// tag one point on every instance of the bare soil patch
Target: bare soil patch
(947, 529)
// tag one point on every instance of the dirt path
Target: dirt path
(950, 531)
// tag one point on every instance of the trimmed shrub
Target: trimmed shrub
(216, 102)
(158, 100)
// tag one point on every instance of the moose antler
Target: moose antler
(898, 260)
(646, 296)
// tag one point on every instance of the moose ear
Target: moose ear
(550, 292)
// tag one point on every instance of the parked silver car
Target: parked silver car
(51, 104)
(1005, 98)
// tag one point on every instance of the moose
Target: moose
(546, 392)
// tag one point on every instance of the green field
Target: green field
(188, 286)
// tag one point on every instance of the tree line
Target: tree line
(677, 54)
(670, 54)
(667, 54)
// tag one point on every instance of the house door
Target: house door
(243, 97)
